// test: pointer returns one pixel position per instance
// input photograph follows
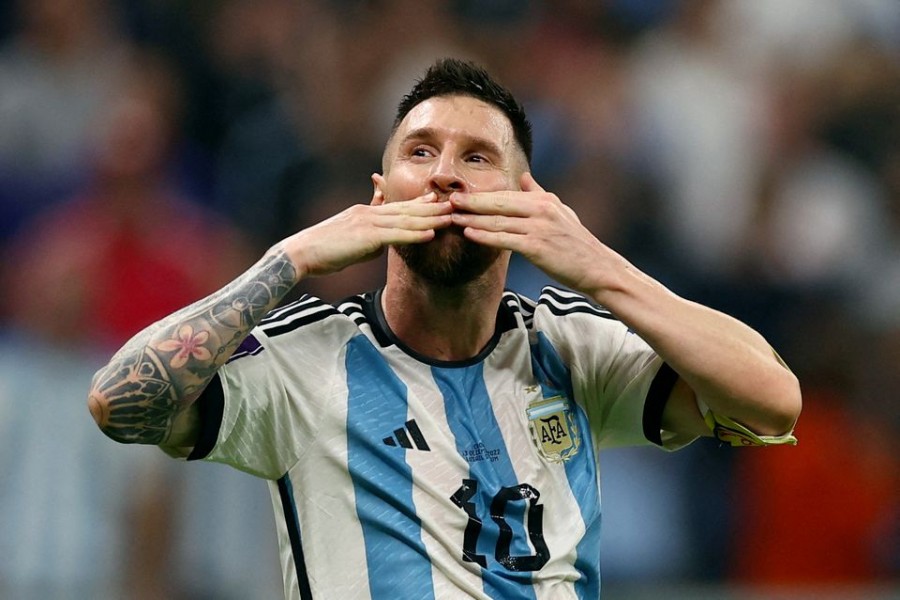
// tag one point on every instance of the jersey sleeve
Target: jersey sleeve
(618, 379)
(262, 411)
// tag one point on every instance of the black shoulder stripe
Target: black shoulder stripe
(516, 303)
(298, 320)
(565, 297)
(560, 303)
(521, 304)
(509, 295)
(559, 312)
(352, 307)
(305, 302)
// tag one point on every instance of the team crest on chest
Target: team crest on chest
(553, 428)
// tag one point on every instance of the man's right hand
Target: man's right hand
(361, 232)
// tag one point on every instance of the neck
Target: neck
(449, 324)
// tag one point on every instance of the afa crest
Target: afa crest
(553, 429)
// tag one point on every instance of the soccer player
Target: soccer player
(438, 437)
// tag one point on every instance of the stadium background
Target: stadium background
(745, 153)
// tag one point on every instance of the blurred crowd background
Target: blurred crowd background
(744, 152)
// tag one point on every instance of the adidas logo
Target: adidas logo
(402, 437)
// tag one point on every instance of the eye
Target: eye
(420, 151)
(477, 158)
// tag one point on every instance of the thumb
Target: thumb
(529, 184)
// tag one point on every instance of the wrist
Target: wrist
(290, 250)
(612, 281)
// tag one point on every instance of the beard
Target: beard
(449, 260)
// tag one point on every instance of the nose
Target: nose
(445, 177)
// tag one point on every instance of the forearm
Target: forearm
(727, 364)
(137, 396)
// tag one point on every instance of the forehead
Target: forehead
(458, 116)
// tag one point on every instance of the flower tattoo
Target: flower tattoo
(186, 345)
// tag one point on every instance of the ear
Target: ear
(378, 192)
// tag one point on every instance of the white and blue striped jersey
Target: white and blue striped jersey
(397, 476)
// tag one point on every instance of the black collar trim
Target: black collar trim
(506, 320)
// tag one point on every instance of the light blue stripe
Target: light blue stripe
(546, 410)
(581, 469)
(478, 436)
(398, 563)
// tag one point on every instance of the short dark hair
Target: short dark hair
(454, 77)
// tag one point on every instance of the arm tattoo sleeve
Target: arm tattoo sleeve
(163, 369)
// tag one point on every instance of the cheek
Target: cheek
(404, 188)
(492, 182)
(398, 193)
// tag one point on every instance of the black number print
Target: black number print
(463, 498)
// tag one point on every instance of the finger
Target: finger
(414, 222)
(516, 225)
(505, 202)
(429, 197)
(413, 208)
(417, 214)
(502, 240)
(403, 237)
(378, 199)
(530, 184)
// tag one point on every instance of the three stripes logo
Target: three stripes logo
(409, 436)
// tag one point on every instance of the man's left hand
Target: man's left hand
(537, 225)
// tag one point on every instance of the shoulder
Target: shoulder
(554, 303)
(309, 312)
(570, 323)
(303, 315)
(296, 315)
(562, 302)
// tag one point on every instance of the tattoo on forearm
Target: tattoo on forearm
(160, 371)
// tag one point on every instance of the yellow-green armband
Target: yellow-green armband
(732, 432)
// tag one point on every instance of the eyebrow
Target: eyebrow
(428, 133)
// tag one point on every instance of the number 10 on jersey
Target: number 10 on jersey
(463, 498)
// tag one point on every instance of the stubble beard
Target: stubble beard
(449, 260)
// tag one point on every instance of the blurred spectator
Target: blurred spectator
(57, 71)
(804, 34)
(319, 70)
(698, 120)
(746, 153)
(129, 247)
(253, 47)
(862, 120)
(72, 508)
(819, 218)
(83, 276)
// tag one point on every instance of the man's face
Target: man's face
(448, 144)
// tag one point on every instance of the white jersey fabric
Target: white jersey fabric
(396, 476)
